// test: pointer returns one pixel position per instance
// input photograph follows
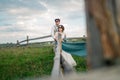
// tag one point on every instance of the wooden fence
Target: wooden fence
(27, 40)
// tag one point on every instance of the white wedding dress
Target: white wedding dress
(66, 56)
(63, 61)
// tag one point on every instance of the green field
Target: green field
(21, 62)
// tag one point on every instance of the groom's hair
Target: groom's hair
(57, 20)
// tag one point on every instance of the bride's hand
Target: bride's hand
(61, 40)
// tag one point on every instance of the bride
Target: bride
(67, 62)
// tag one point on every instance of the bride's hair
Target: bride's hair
(61, 26)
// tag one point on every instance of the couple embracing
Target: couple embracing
(67, 62)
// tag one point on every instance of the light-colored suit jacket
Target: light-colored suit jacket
(54, 30)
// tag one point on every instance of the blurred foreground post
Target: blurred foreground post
(103, 29)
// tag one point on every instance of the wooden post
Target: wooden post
(103, 33)
(18, 44)
(95, 54)
(27, 40)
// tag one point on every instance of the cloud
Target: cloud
(36, 17)
(69, 5)
(29, 4)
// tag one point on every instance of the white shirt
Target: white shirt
(54, 30)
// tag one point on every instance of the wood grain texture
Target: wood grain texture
(103, 32)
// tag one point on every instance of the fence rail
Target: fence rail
(43, 37)
(27, 40)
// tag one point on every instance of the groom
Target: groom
(54, 30)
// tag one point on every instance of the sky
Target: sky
(19, 18)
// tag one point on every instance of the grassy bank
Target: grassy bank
(18, 63)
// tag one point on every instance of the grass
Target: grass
(21, 62)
